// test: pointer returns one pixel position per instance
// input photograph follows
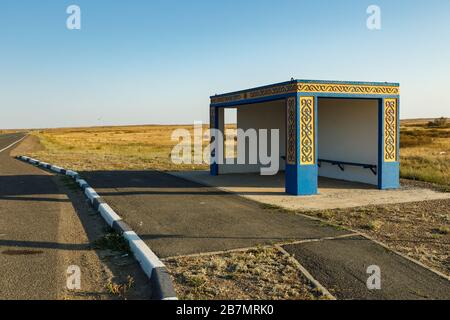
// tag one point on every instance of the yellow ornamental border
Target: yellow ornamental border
(390, 130)
(307, 131)
(347, 89)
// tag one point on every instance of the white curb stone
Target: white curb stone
(71, 173)
(143, 254)
(91, 194)
(56, 169)
(81, 182)
(108, 214)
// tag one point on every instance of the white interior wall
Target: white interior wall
(267, 115)
(348, 131)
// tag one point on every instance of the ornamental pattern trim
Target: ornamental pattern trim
(291, 133)
(390, 130)
(307, 131)
(307, 87)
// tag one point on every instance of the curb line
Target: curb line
(308, 275)
(153, 267)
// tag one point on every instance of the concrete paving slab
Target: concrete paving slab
(333, 194)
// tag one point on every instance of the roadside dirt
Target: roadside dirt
(29, 145)
(425, 185)
(106, 273)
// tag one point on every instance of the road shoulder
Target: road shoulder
(107, 272)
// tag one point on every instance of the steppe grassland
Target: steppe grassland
(112, 148)
(425, 151)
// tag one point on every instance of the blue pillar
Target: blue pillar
(389, 144)
(213, 124)
(301, 154)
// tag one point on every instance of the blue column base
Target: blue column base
(214, 169)
(389, 176)
(301, 180)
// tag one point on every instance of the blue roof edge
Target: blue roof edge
(367, 83)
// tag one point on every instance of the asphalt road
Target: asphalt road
(28, 229)
(45, 227)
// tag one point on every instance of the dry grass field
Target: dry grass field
(111, 148)
(10, 131)
(425, 152)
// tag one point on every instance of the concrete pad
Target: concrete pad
(341, 266)
(333, 194)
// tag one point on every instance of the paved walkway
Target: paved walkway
(178, 217)
(340, 265)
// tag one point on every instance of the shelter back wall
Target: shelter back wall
(348, 131)
(268, 115)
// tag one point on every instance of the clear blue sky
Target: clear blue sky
(149, 61)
